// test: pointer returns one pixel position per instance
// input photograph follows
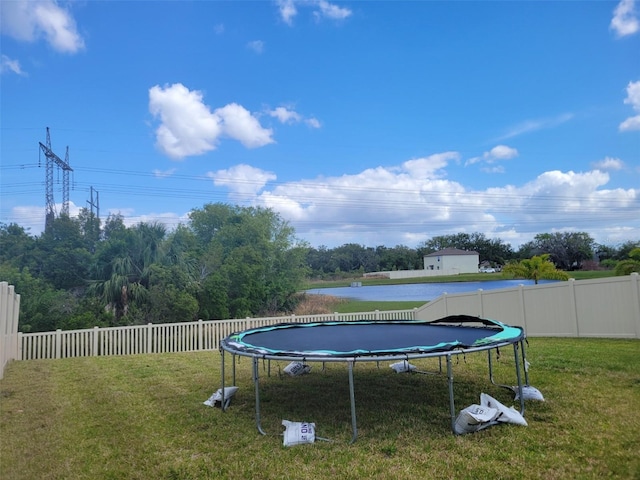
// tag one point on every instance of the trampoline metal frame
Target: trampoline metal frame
(351, 360)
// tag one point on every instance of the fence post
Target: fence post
(445, 296)
(149, 332)
(19, 357)
(58, 346)
(523, 312)
(572, 304)
(635, 294)
(480, 303)
(200, 345)
(95, 335)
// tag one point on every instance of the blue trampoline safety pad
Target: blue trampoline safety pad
(372, 338)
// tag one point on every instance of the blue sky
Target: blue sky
(376, 123)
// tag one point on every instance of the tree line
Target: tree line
(225, 262)
(566, 250)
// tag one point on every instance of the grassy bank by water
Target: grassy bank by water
(142, 417)
(467, 277)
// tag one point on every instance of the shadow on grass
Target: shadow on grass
(388, 404)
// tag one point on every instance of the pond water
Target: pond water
(416, 291)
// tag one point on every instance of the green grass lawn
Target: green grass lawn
(142, 417)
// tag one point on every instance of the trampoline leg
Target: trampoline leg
(524, 364)
(452, 407)
(519, 375)
(233, 369)
(223, 406)
(352, 397)
(256, 382)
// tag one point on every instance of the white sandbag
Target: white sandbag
(528, 393)
(473, 418)
(506, 414)
(401, 367)
(297, 433)
(296, 368)
(215, 400)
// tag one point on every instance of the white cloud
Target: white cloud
(329, 10)
(9, 65)
(322, 9)
(238, 123)
(633, 99)
(500, 152)
(414, 201)
(625, 19)
(256, 45)
(242, 179)
(32, 20)
(163, 173)
(288, 10)
(313, 122)
(285, 115)
(529, 126)
(631, 123)
(497, 153)
(189, 127)
(290, 116)
(609, 163)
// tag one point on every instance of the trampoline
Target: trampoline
(377, 341)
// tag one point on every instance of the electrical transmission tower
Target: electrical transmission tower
(64, 165)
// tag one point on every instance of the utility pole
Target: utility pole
(64, 165)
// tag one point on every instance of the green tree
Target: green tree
(536, 268)
(122, 281)
(252, 254)
(494, 251)
(399, 257)
(62, 256)
(632, 264)
(567, 250)
(16, 246)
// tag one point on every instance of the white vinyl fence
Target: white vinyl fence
(166, 337)
(9, 310)
(602, 307)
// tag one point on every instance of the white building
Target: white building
(452, 261)
(449, 261)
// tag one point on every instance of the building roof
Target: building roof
(452, 251)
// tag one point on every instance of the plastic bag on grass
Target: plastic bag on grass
(215, 400)
(506, 414)
(298, 433)
(528, 393)
(475, 417)
(401, 367)
(296, 368)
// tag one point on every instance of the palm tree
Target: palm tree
(535, 268)
(125, 279)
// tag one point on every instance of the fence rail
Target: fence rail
(166, 337)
